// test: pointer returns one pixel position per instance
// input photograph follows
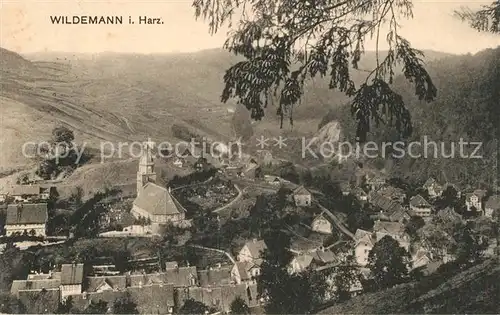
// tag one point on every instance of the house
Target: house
(322, 257)
(25, 218)
(433, 188)
(273, 180)
(389, 209)
(252, 250)
(215, 276)
(321, 224)
(393, 193)
(360, 194)
(265, 157)
(29, 193)
(71, 280)
(420, 207)
(345, 187)
(66, 282)
(447, 215)
(420, 258)
(474, 200)
(302, 197)
(300, 263)
(363, 244)
(376, 182)
(492, 206)
(246, 271)
(396, 230)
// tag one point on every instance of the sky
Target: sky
(25, 27)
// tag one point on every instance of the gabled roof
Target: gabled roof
(303, 261)
(394, 228)
(419, 201)
(71, 274)
(323, 256)
(157, 200)
(362, 235)
(493, 202)
(20, 285)
(480, 193)
(35, 213)
(387, 205)
(256, 247)
(301, 190)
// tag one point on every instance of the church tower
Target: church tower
(146, 172)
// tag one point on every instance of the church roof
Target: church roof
(157, 201)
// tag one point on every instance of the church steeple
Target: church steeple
(146, 172)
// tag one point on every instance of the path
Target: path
(215, 250)
(336, 221)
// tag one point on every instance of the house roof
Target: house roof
(243, 268)
(115, 282)
(19, 285)
(448, 214)
(384, 203)
(301, 190)
(419, 201)
(19, 190)
(493, 202)
(303, 260)
(392, 192)
(157, 201)
(394, 228)
(71, 274)
(35, 213)
(256, 247)
(325, 256)
(215, 276)
(362, 235)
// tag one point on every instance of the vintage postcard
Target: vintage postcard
(249, 156)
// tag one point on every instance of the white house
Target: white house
(433, 188)
(300, 263)
(321, 224)
(420, 207)
(246, 271)
(71, 280)
(252, 250)
(474, 200)
(25, 218)
(364, 242)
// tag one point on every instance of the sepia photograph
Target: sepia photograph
(243, 157)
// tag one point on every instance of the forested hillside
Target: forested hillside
(467, 107)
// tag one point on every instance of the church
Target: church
(153, 201)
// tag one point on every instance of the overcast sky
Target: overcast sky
(25, 27)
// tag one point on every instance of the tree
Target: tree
(239, 306)
(286, 42)
(470, 246)
(100, 307)
(193, 307)
(125, 305)
(10, 305)
(486, 19)
(346, 276)
(62, 135)
(388, 263)
(286, 293)
(415, 224)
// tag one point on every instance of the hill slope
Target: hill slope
(467, 107)
(473, 291)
